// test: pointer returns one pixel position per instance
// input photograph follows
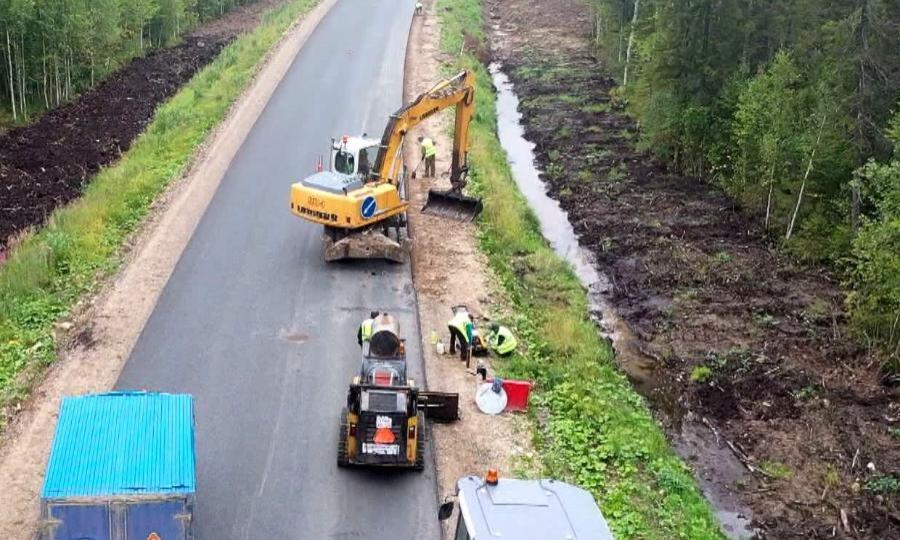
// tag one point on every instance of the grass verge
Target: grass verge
(593, 429)
(52, 268)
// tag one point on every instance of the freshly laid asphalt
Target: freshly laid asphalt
(262, 332)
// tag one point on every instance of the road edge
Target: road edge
(109, 324)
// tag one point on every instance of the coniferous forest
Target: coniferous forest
(53, 49)
(792, 108)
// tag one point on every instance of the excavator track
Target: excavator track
(390, 242)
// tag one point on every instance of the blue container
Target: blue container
(121, 467)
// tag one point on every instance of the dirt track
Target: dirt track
(699, 285)
(46, 164)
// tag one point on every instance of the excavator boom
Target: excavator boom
(457, 91)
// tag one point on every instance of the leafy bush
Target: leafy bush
(884, 484)
(875, 267)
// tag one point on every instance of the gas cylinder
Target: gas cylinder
(385, 340)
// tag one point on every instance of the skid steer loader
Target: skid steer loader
(384, 422)
(361, 200)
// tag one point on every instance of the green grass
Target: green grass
(701, 374)
(776, 469)
(52, 268)
(597, 432)
(6, 118)
(596, 108)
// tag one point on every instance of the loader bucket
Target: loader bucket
(439, 406)
(452, 205)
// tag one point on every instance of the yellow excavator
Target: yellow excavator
(362, 200)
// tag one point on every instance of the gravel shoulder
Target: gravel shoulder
(449, 269)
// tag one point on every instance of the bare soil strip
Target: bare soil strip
(448, 269)
(740, 339)
(102, 338)
(47, 164)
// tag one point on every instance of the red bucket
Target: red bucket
(517, 393)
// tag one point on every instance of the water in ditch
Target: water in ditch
(715, 467)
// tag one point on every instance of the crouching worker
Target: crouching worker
(501, 340)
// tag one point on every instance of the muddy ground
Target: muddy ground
(776, 379)
(47, 164)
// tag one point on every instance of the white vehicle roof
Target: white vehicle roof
(355, 144)
(530, 510)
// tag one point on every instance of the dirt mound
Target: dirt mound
(744, 337)
(47, 164)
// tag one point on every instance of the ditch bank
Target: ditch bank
(736, 343)
(692, 440)
(589, 427)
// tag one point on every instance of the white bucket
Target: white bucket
(440, 347)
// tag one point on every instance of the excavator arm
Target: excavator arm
(458, 91)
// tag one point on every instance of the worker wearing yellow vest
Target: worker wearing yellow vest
(502, 340)
(461, 327)
(365, 329)
(429, 151)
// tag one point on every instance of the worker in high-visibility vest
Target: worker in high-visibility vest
(365, 329)
(461, 327)
(501, 340)
(429, 151)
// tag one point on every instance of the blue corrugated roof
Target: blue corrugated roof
(122, 443)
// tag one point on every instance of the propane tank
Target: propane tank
(385, 340)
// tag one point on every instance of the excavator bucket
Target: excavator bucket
(452, 205)
(439, 406)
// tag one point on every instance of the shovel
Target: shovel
(417, 168)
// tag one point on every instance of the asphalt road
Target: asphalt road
(263, 333)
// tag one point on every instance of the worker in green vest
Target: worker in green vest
(502, 340)
(460, 327)
(429, 150)
(365, 329)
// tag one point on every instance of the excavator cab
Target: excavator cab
(354, 156)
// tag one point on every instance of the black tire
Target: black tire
(420, 443)
(342, 459)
